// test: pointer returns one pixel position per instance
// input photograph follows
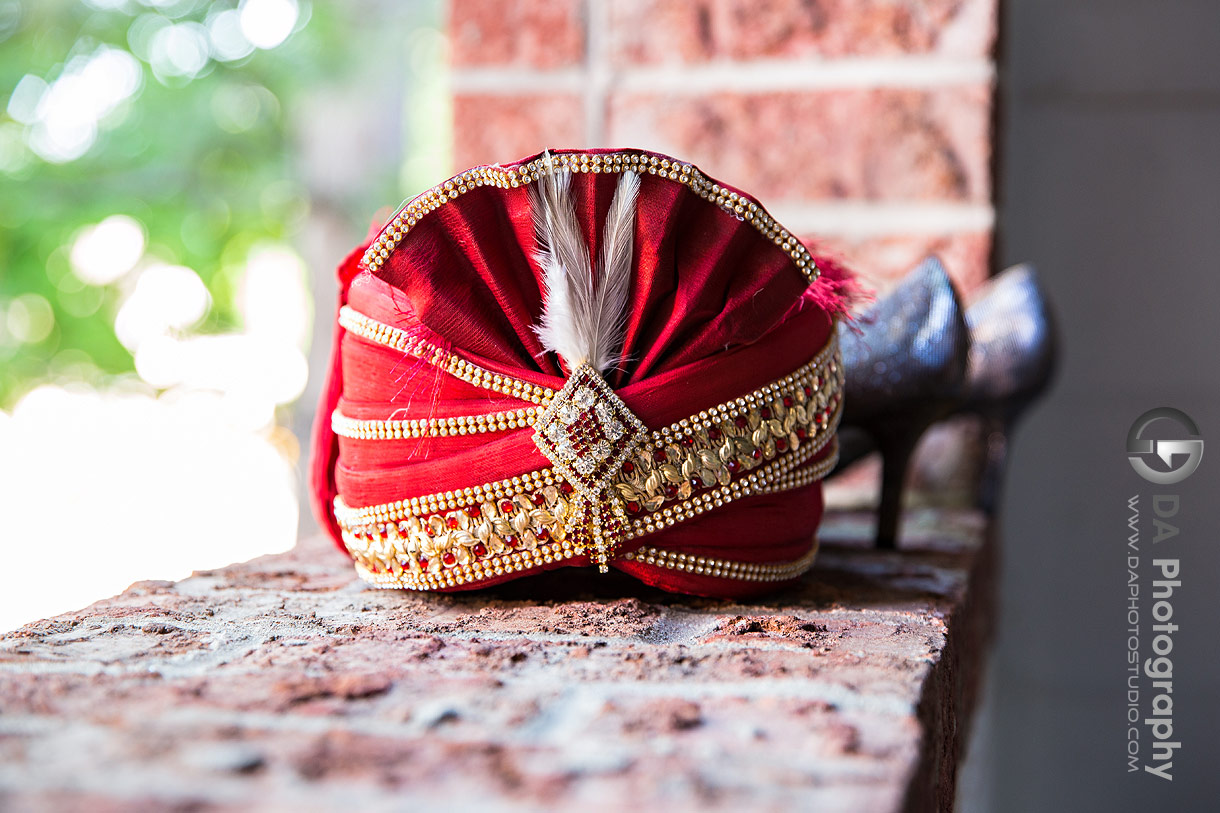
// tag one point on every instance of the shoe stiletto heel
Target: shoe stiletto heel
(905, 369)
(896, 448)
(1011, 361)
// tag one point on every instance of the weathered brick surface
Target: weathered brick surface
(524, 33)
(884, 260)
(882, 144)
(494, 129)
(896, 109)
(284, 683)
(652, 31)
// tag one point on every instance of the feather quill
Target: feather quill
(614, 274)
(584, 315)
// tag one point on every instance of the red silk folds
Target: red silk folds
(717, 310)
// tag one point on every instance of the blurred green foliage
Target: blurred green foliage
(203, 162)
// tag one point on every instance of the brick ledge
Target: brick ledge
(283, 682)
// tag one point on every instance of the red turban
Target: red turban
(443, 451)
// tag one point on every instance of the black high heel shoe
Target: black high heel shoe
(905, 370)
(1011, 363)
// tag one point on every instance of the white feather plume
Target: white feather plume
(585, 315)
(566, 267)
(614, 273)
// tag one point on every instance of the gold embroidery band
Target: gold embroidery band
(397, 227)
(526, 530)
(525, 504)
(381, 561)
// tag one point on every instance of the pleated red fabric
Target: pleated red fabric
(717, 309)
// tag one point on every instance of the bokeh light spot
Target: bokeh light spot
(267, 23)
(166, 298)
(228, 42)
(179, 50)
(30, 318)
(66, 117)
(105, 252)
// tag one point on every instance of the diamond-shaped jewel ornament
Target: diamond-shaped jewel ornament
(587, 432)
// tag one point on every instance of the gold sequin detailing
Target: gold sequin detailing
(398, 226)
(395, 338)
(407, 556)
(780, 475)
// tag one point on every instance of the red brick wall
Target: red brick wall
(861, 124)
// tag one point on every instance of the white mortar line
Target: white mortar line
(596, 81)
(517, 81)
(722, 75)
(868, 219)
(811, 74)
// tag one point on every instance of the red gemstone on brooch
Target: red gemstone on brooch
(756, 454)
(660, 456)
(538, 499)
(741, 421)
(696, 482)
(801, 433)
(765, 413)
(506, 507)
(671, 491)
(448, 558)
(628, 467)
(633, 507)
(714, 434)
(474, 511)
(512, 541)
(688, 441)
(733, 465)
(788, 401)
(565, 488)
(479, 550)
(423, 564)
(781, 444)
(808, 391)
(453, 523)
(543, 534)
